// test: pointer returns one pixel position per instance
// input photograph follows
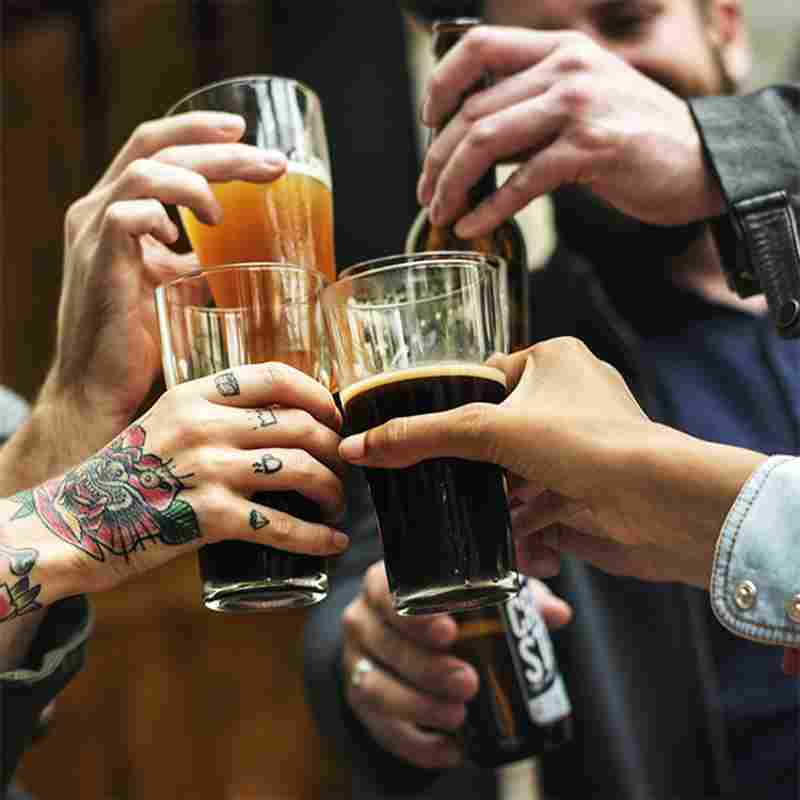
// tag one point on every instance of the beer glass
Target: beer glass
(289, 220)
(414, 336)
(243, 314)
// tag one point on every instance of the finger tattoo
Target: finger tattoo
(257, 520)
(268, 465)
(226, 384)
(266, 418)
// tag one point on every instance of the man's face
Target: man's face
(670, 41)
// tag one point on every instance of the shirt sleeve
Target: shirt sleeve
(56, 655)
(752, 146)
(755, 578)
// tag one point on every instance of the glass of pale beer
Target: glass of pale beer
(289, 220)
(220, 318)
(415, 336)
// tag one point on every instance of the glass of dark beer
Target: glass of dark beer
(221, 318)
(414, 336)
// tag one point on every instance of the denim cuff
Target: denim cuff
(755, 578)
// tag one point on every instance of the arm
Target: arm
(180, 477)
(752, 147)
(593, 477)
(116, 252)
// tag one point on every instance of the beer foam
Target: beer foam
(446, 369)
(316, 170)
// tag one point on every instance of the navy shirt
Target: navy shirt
(726, 377)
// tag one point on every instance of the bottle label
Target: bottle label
(534, 659)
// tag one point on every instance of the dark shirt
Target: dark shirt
(725, 376)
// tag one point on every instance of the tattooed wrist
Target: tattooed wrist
(115, 502)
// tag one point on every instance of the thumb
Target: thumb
(472, 432)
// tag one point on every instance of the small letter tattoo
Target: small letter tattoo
(266, 417)
(226, 384)
(268, 465)
(257, 520)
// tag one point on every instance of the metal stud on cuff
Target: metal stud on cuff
(793, 609)
(362, 667)
(745, 595)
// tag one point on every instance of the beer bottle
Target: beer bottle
(506, 241)
(522, 708)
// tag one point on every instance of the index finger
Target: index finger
(267, 384)
(193, 127)
(493, 49)
(438, 631)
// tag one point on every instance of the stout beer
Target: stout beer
(444, 522)
(522, 708)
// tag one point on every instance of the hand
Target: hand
(414, 697)
(178, 478)
(117, 241)
(589, 473)
(570, 112)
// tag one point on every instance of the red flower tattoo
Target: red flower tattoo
(115, 501)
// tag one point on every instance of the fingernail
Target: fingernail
(465, 227)
(422, 190)
(435, 212)
(340, 540)
(273, 158)
(353, 448)
(230, 123)
(424, 114)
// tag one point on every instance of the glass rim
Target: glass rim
(484, 276)
(411, 259)
(242, 79)
(245, 266)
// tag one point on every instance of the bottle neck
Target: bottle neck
(446, 35)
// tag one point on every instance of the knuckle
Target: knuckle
(478, 42)
(137, 175)
(577, 53)
(352, 620)
(395, 432)
(472, 109)
(144, 135)
(74, 218)
(574, 96)
(482, 135)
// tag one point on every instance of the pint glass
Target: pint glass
(243, 314)
(289, 220)
(413, 337)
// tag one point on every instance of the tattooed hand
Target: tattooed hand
(179, 477)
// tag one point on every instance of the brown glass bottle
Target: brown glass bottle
(522, 708)
(506, 241)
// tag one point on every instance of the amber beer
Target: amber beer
(287, 221)
(444, 522)
(522, 708)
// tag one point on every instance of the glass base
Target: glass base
(255, 597)
(463, 597)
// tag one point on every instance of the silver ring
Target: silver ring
(362, 667)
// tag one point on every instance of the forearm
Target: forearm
(32, 577)
(688, 487)
(61, 431)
